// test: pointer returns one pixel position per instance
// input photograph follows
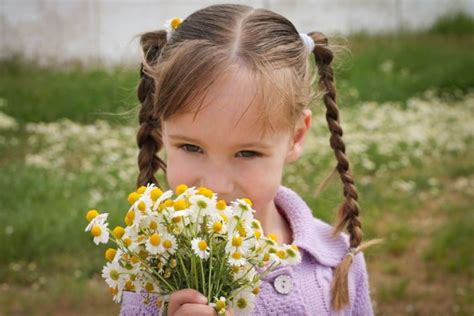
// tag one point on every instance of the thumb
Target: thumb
(186, 296)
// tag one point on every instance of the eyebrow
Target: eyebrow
(191, 140)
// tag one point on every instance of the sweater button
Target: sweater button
(283, 284)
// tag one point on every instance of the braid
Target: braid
(149, 133)
(349, 210)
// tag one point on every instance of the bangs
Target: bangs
(191, 68)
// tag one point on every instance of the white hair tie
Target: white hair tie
(308, 42)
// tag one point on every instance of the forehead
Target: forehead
(233, 107)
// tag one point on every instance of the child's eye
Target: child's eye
(190, 148)
(248, 154)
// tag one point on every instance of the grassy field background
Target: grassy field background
(407, 105)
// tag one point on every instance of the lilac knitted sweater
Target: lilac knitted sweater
(310, 280)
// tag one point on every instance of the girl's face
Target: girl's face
(222, 148)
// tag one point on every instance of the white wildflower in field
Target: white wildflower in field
(7, 122)
(387, 137)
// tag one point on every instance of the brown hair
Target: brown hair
(203, 47)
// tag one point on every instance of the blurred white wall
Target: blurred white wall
(104, 30)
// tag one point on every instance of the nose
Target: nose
(219, 181)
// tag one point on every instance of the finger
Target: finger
(229, 311)
(181, 297)
(188, 309)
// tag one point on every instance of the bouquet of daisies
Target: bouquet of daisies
(189, 239)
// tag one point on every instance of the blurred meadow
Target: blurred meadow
(67, 144)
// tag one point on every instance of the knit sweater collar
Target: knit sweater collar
(309, 233)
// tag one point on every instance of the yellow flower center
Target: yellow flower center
(201, 204)
(141, 189)
(141, 206)
(235, 268)
(177, 219)
(242, 231)
(167, 244)
(255, 224)
(95, 231)
(202, 245)
(257, 234)
(133, 197)
(221, 205)
(153, 225)
(256, 290)
(236, 241)
(248, 201)
(134, 259)
(290, 252)
(281, 254)
(91, 214)
(114, 275)
(179, 205)
(236, 255)
(216, 227)
(131, 215)
(127, 242)
(155, 239)
(205, 191)
(118, 231)
(129, 286)
(266, 257)
(155, 194)
(225, 218)
(113, 290)
(110, 254)
(241, 303)
(127, 221)
(149, 287)
(182, 187)
(272, 237)
(220, 305)
(175, 23)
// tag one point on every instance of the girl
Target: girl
(225, 94)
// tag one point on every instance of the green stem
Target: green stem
(203, 278)
(184, 269)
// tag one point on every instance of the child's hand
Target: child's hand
(190, 302)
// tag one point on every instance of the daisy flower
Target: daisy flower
(243, 302)
(237, 258)
(114, 275)
(169, 243)
(100, 232)
(95, 219)
(293, 254)
(201, 206)
(153, 244)
(237, 242)
(217, 226)
(117, 294)
(219, 305)
(200, 248)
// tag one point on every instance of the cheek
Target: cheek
(179, 170)
(263, 183)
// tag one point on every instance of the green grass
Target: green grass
(35, 94)
(458, 23)
(416, 62)
(451, 248)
